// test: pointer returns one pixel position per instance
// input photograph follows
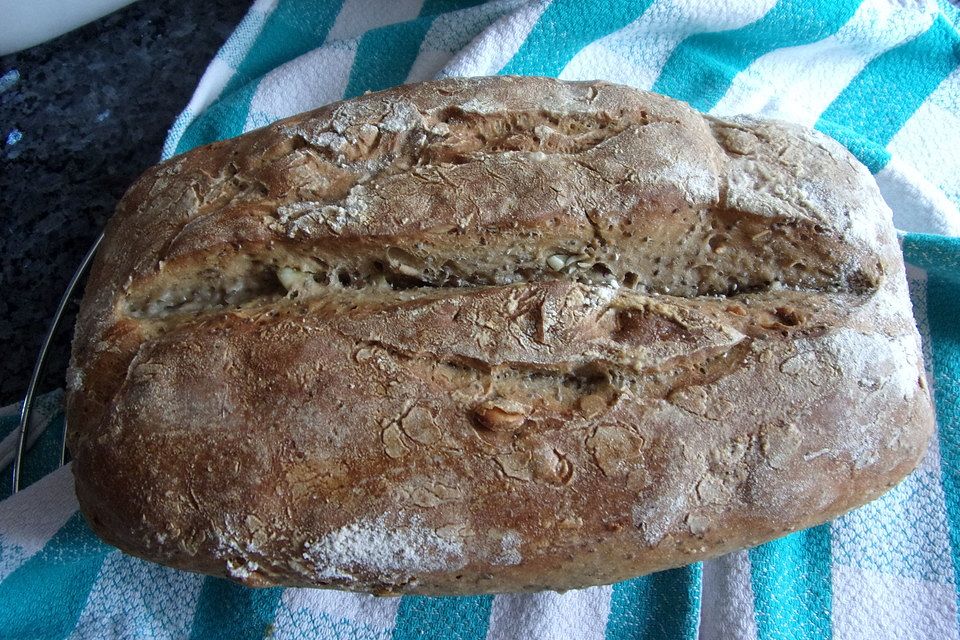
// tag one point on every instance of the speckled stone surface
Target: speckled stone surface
(80, 118)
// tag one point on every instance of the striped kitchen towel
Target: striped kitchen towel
(881, 76)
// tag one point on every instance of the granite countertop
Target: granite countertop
(80, 118)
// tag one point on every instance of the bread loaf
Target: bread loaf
(488, 335)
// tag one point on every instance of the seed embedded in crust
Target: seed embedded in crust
(500, 416)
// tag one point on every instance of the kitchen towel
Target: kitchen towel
(881, 76)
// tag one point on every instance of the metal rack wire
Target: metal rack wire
(26, 408)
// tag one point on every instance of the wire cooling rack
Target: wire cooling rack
(24, 435)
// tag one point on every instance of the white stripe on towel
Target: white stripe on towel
(356, 17)
(492, 50)
(131, 598)
(364, 616)
(451, 32)
(635, 55)
(307, 82)
(930, 137)
(799, 83)
(580, 614)
(29, 519)
(917, 205)
(879, 606)
(727, 610)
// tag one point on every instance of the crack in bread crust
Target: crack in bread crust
(723, 253)
(341, 231)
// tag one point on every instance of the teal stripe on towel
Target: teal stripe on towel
(793, 587)
(934, 253)
(292, 29)
(45, 596)
(386, 55)
(437, 7)
(882, 97)
(940, 256)
(43, 457)
(224, 119)
(702, 68)
(661, 605)
(566, 27)
(228, 611)
(464, 618)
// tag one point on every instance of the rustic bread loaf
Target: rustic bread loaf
(492, 334)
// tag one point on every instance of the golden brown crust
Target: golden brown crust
(493, 334)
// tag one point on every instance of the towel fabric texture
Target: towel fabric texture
(880, 76)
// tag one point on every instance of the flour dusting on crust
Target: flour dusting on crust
(380, 548)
